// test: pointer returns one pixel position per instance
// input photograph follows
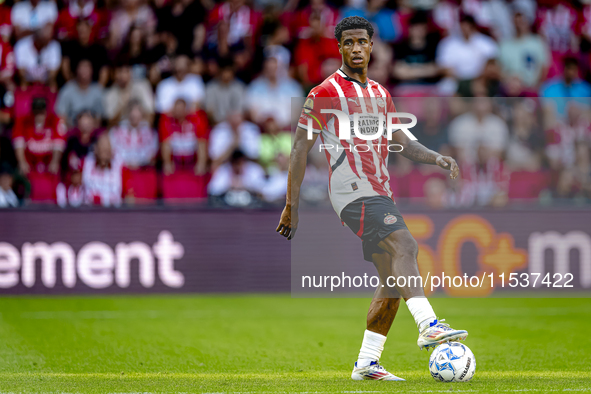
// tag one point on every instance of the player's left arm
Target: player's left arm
(415, 151)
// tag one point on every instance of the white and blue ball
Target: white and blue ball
(452, 362)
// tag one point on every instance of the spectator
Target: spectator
(526, 55)
(415, 56)
(71, 193)
(185, 19)
(79, 95)
(7, 66)
(38, 57)
(570, 85)
(380, 16)
(463, 57)
(276, 186)
(485, 182)
(242, 22)
(525, 144)
(478, 127)
(328, 15)
(225, 93)
(125, 90)
(81, 48)
(133, 140)
(274, 143)
(276, 46)
(183, 85)
(77, 11)
(30, 16)
(80, 142)
(239, 183)
(558, 23)
(312, 52)
(231, 135)
(102, 175)
(7, 196)
(269, 96)
(131, 13)
(39, 140)
(184, 140)
(5, 23)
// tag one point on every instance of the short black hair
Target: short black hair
(570, 61)
(350, 23)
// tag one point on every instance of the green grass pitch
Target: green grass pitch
(253, 344)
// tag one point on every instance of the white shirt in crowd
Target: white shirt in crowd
(221, 138)
(8, 198)
(37, 64)
(252, 179)
(73, 196)
(466, 58)
(266, 100)
(104, 184)
(25, 16)
(467, 133)
(135, 147)
(191, 89)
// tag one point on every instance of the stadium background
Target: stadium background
(101, 165)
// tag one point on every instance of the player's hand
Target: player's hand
(288, 223)
(448, 163)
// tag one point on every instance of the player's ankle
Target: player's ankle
(364, 362)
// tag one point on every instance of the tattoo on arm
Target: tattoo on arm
(417, 152)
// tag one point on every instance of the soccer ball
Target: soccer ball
(452, 362)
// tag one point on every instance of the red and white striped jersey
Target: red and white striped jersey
(354, 173)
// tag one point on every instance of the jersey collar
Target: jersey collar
(348, 78)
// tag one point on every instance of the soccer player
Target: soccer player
(359, 189)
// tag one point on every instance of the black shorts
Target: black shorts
(372, 219)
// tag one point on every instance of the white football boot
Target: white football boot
(439, 332)
(373, 371)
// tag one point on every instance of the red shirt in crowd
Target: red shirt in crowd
(5, 22)
(7, 64)
(184, 136)
(65, 26)
(39, 142)
(313, 52)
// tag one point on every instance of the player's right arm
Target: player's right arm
(288, 223)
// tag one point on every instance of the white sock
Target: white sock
(421, 311)
(371, 348)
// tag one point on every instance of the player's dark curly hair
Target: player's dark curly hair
(350, 23)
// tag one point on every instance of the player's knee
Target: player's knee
(408, 249)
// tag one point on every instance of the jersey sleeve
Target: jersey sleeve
(318, 99)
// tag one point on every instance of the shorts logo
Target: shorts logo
(390, 219)
(354, 186)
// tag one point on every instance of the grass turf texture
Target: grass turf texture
(277, 344)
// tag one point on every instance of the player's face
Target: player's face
(355, 46)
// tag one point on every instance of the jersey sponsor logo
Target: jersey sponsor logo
(390, 219)
(308, 106)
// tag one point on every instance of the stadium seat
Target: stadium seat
(43, 186)
(184, 185)
(527, 185)
(142, 184)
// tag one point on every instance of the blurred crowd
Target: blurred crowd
(121, 102)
